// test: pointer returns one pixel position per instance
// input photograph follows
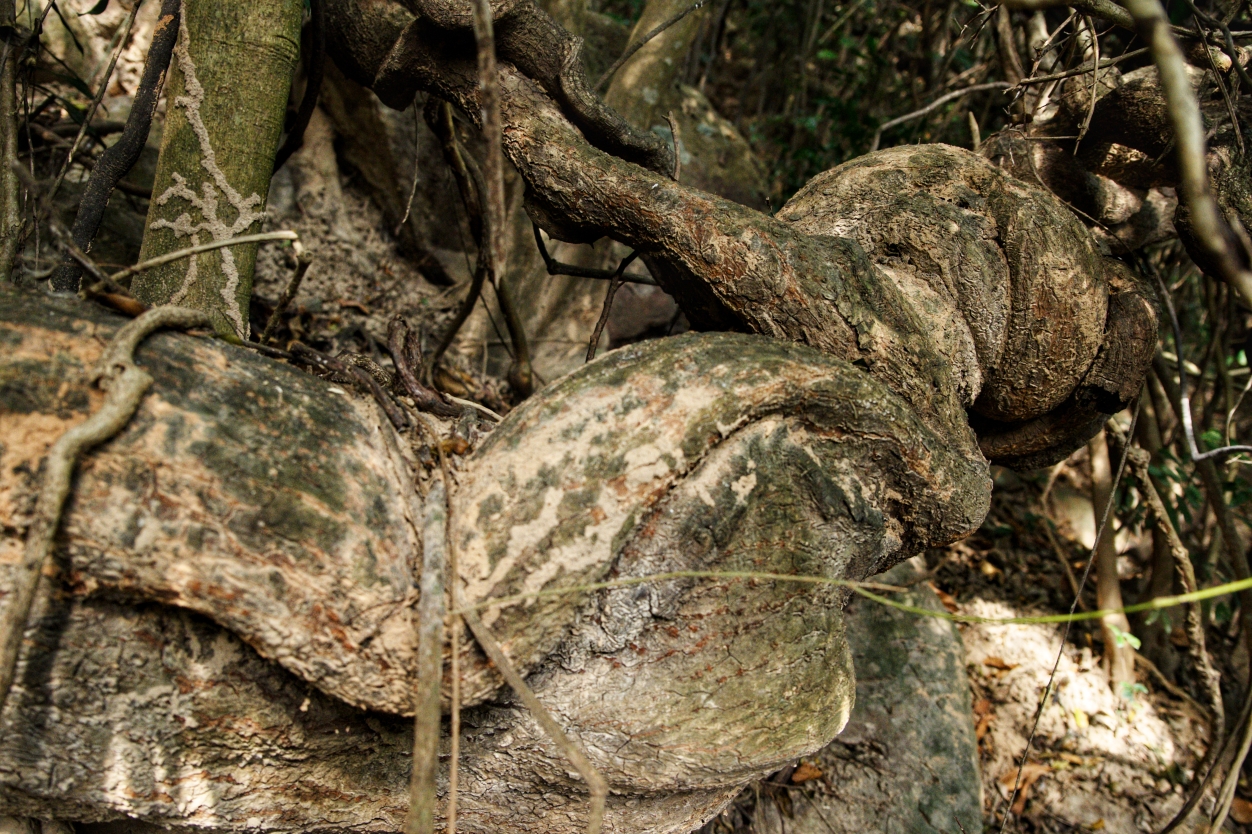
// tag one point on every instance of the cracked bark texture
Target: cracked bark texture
(724, 451)
(908, 759)
(907, 317)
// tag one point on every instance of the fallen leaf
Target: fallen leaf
(998, 663)
(1241, 811)
(989, 570)
(982, 707)
(1098, 825)
(346, 302)
(1080, 719)
(805, 773)
(1030, 774)
(983, 725)
(949, 601)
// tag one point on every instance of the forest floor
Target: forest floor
(1100, 761)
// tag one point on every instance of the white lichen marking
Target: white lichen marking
(206, 202)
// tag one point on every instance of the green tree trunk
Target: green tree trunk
(228, 96)
(10, 210)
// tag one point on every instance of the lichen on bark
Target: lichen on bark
(228, 96)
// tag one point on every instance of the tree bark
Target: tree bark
(228, 95)
(10, 210)
(288, 524)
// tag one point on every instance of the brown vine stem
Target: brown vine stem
(119, 158)
(1046, 696)
(10, 208)
(431, 610)
(125, 384)
(303, 261)
(614, 285)
(642, 42)
(1209, 680)
(521, 376)
(95, 103)
(595, 782)
(1212, 230)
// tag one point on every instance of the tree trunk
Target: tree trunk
(10, 210)
(228, 94)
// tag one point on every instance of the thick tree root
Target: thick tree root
(724, 452)
(125, 384)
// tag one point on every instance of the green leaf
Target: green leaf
(61, 17)
(1124, 638)
(1130, 689)
(96, 9)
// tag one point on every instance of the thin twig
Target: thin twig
(125, 384)
(1171, 687)
(614, 286)
(1060, 652)
(179, 254)
(120, 157)
(417, 167)
(1209, 680)
(462, 314)
(934, 105)
(1211, 229)
(1095, 81)
(1221, 85)
(303, 260)
(1041, 79)
(555, 267)
(476, 406)
(1184, 415)
(598, 788)
(865, 589)
(127, 25)
(641, 43)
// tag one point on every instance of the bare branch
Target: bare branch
(1211, 229)
(934, 105)
(1106, 9)
(642, 42)
(95, 103)
(430, 613)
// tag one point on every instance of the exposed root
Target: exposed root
(126, 384)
